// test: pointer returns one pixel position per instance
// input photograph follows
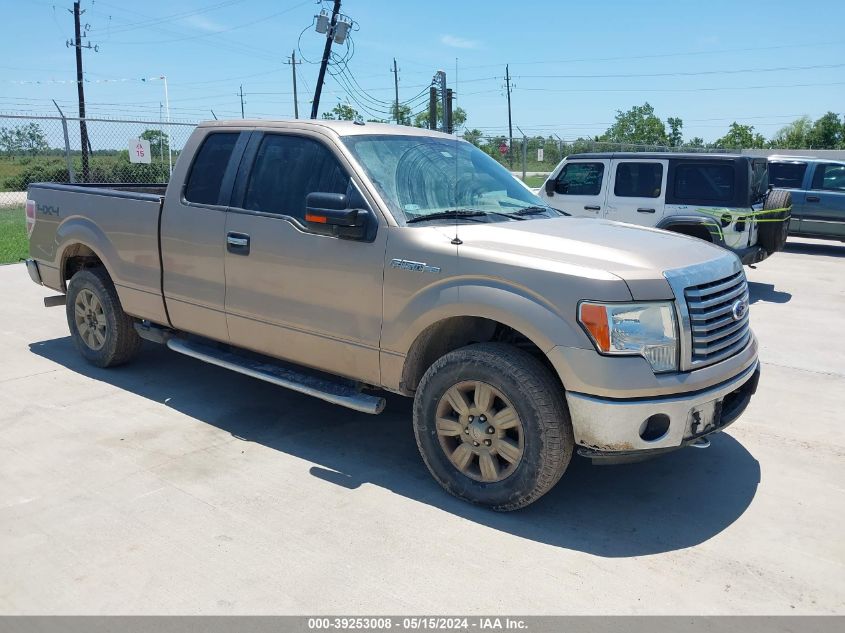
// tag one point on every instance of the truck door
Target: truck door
(192, 233)
(580, 188)
(824, 207)
(637, 191)
(292, 291)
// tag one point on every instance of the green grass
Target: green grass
(13, 242)
(535, 181)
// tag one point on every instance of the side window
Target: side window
(787, 175)
(580, 179)
(638, 180)
(203, 186)
(704, 182)
(288, 168)
(829, 177)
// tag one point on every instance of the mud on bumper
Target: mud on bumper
(606, 428)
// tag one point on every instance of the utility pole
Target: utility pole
(448, 116)
(76, 42)
(330, 33)
(432, 108)
(241, 93)
(396, 88)
(293, 64)
(510, 123)
(441, 79)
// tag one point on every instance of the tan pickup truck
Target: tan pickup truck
(339, 259)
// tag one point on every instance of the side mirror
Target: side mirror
(332, 210)
(550, 187)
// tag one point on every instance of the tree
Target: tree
(473, 136)
(459, 117)
(676, 137)
(159, 142)
(794, 135)
(827, 132)
(697, 142)
(24, 139)
(341, 112)
(639, 125)
(741, 136)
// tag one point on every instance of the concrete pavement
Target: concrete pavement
(170, 486)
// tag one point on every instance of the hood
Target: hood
(636, 254)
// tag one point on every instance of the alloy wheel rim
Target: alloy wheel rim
(90, 319)
(480, 431)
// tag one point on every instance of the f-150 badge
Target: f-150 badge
(420, 267)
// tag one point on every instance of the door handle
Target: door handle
(592, 207)
(237, 243)
(813, 199)
(645, 210)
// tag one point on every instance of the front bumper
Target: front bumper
(607, 427)
(34, 273)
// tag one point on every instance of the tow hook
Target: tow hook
(701, 442)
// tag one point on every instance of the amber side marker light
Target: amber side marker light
(594, 318)
(319, 219)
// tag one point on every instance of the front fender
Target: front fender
(533, 316)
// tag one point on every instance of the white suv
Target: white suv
(722, 198)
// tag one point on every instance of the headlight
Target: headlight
(645, 329)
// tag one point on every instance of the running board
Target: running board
(343, 393)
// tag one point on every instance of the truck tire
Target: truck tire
(102, 332)
(492, 425)
(774, 220)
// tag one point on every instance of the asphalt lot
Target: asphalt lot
(171, 486)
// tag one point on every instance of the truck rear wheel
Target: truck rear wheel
(774, 220)
(102, 332)
(492, 426)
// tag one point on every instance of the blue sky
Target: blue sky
(573, 63)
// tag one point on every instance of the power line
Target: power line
(685, 74)
(711, 89)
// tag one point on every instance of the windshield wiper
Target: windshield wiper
(534, 210)
(449, 214)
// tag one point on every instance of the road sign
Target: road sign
(139, 150)
(539, 154)
(503, 149)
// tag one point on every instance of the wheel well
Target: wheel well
(75, 258)
(456, 332)
(693, 230)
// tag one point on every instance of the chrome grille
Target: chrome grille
(715, 333)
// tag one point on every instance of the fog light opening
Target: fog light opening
(654, 427)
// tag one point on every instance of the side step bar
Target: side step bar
(343, 393)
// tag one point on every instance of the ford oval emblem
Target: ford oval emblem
(739, 309)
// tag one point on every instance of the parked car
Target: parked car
(336, 258)
(720, 198)
(818, 194)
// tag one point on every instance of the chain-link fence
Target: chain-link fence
(540, 155)
(49, 149)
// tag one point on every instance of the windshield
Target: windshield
(424, 177)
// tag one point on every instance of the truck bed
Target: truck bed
(119, 222)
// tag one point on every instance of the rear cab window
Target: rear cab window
(704, 181)
(209, 166)
(580, 179)
(638, 180)
(787, 175)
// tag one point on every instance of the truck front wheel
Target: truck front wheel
(102, 332)
(492, 425)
